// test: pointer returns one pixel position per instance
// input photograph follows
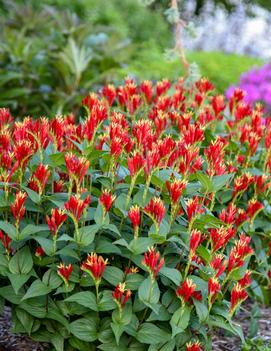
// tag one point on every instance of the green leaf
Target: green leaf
(180, 320)
(201, 309)
(87, 234)
(58, 342)
(140, 245)
(84, 298)
(8, 293)
(9, 229)
(148, 294)
(106, 302)
(21, 262)
(148, 333)
(26, 319)
(18, 280)
(37, 288)
(218, 182)
(52, 279)
(172, 274)
(46, 244)
(133, 281)
(113, 275)
(31, 229)
(118, 329)
(32, 195)
(84, 329)
(206, 183)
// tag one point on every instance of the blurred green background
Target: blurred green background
(53, 52)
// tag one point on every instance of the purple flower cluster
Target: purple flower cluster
(257, 85)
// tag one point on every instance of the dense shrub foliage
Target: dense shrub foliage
(141, 226)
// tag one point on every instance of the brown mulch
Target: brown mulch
(221, 342)
(12, 342)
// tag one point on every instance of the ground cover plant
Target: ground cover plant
(141, 224)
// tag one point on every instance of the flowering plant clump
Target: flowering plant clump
(257, 85)
(143, 226)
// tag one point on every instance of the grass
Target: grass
(222, 69)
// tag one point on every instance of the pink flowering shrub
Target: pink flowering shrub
(141, 225)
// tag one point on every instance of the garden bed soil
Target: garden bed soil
(221, 342)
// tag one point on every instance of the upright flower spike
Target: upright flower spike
(18, 208)
(195, 239)
(254, 207)
(109, 92)
(75, 206)
(193, 208)
(94, 266)
(135, 163)
(39, 178)
(186, 291)
(76, 167)
(107, 199)
(246, 280)
(39, 252)
(175, 189)
(238, 295)
(213, 289)
(153, 262)
(64, 272)
(239, 253)
(6, 240)
(220, 237)
(58, 217)
(218, 264)
(121, 295)
(156, 210)
(134, 216)
(193, 346)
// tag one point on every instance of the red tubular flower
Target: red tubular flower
(5, 117)
(220, 236)
(134, 215)
(76, 166)
(151, 261)
(58, 217)
(194, 134)
(241, 217)
(162, 87)
(39, 252)
(65, 272)
(241, 183)
(39, 178)
(131, 270)
(147, 89)
(187, 290)
(239, 253)
(261, 185)
(107, 199)
(213, 288)
(6, 240)
(109, 92)
(135, 163)
(242, 110)
(254, 207)
(193, 208)
(22, 151)
(94, 266)
(156, 209)
(218, 265)
(238, 95)
(121, 295)
(193, 346)
(195, 240)
(246, 280)
(18, 208)
(75, 206)
(58, 186)
(228, 215)
(116, 147)
(142, 131)
(238, 295)
(175, 189)
(204, 86)
(218, 105)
